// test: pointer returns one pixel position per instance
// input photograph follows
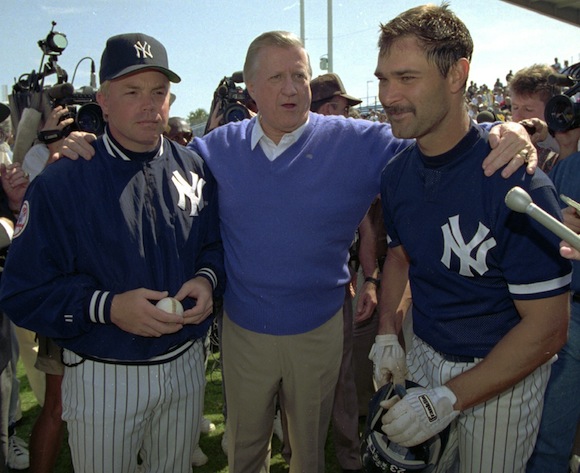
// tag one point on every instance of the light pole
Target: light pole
(368, 82)
(329, 37)
(302, 31)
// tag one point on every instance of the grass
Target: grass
(210, 443)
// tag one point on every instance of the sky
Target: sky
(207, 40)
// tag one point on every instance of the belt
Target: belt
(457, 358)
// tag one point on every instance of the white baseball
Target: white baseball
(171, 305)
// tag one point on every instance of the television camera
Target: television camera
(232, 102)
(562, 112)
(30, 91)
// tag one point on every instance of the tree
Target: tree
(197, 117)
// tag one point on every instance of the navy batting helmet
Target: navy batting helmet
(379, 454)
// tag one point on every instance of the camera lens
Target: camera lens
(235, 113)
(90, 119)
(562, 113)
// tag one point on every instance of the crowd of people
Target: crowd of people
(338, 256)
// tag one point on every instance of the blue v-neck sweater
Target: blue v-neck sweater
(287, 225)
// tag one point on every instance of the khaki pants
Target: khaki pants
(303, 369)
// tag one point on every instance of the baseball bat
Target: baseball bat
(519, 200)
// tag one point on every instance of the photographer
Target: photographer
(230, 103)
(33, 102)
(530, 91)
(43, 153)
(561, 413)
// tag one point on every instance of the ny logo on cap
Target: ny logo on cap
(143, 50)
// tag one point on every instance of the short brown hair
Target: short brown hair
(444, 36)
(534, 80)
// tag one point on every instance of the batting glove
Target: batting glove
(420, 415)
(388, 358)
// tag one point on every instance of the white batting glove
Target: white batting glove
(388, 358)
(420, 415)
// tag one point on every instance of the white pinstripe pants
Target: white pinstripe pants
(116, 413)
(496, 436)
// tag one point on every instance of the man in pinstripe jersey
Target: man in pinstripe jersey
(98, 243)
(490, 303)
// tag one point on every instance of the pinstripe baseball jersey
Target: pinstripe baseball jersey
(91, 229)
(470, 255)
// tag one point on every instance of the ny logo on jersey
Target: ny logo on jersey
(192, 191)
(143, 50)
(455, 243)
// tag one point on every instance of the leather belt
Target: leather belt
(457, 358)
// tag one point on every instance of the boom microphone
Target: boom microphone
(519, 200)
(562, 80)
(61, 91)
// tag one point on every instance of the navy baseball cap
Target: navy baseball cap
(131, 52)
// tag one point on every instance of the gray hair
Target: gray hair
(281, 39)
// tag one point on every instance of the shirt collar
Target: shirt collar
(116, 150)
(289, 138)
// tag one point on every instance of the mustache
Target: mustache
(399, 109)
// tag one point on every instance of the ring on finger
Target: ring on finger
(524, 154)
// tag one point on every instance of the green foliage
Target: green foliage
(197, 117)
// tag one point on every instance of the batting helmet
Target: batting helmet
(379, 454)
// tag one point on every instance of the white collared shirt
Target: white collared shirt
(271, 149)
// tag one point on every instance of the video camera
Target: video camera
(82, 107)
(562, 112)
(29, 91)
(233, 102)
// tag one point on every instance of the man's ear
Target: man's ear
(458, 75)
(103, 102)
(250, 88)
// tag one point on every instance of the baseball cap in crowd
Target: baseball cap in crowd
(131, 52)
(329, 85)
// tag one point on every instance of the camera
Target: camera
(233, 101)
(83, 109)
(562, 112)
(30, 90)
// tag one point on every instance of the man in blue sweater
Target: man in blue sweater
(293, 187)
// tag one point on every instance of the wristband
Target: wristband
(375, 281)
(49, 136)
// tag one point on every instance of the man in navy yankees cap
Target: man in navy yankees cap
(146, 227)
(130, 52)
